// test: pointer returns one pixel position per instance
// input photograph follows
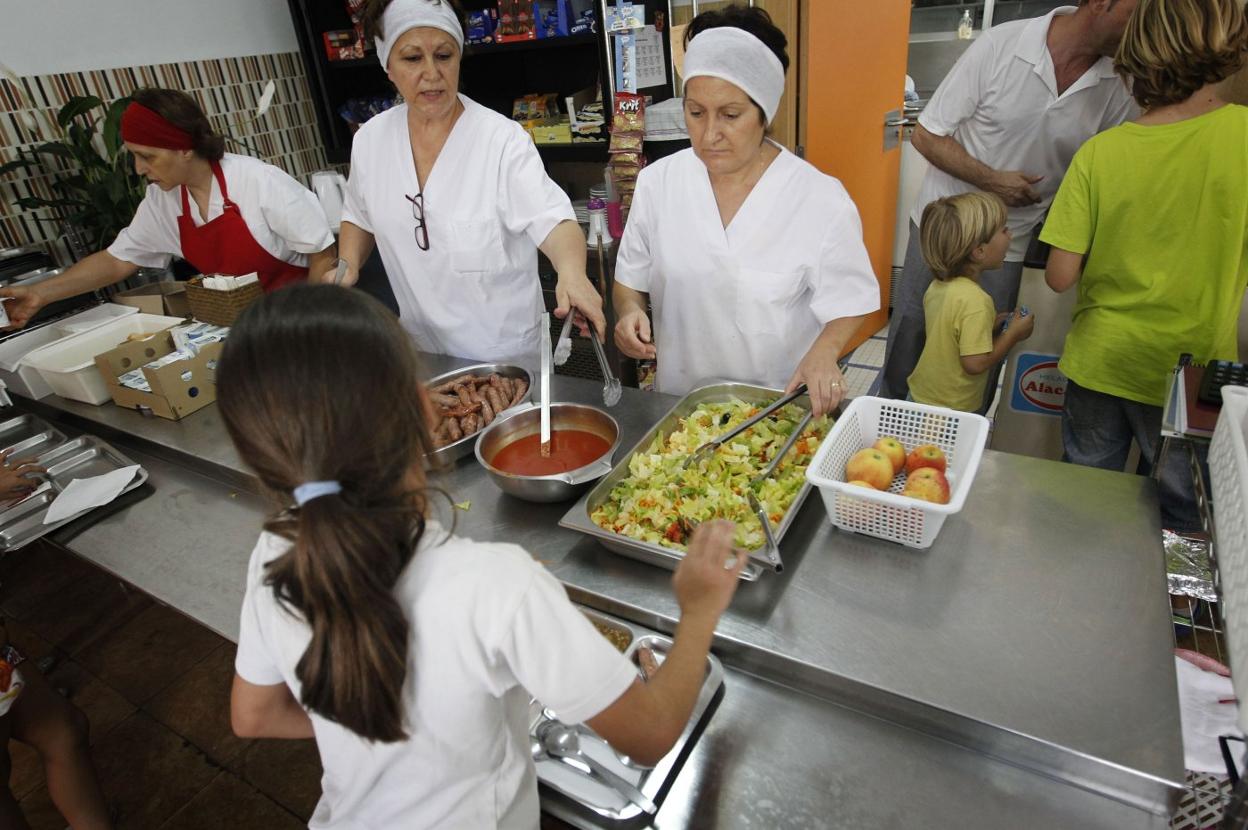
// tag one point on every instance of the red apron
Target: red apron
(225, 245)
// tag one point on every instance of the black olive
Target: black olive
(723, 419)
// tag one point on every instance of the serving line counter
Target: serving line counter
(1019, 667)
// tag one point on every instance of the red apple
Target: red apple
(927, 484)
(895, 451)
(860, 483)
(871, 466)
(928, 455)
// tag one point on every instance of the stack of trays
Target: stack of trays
(31, 440)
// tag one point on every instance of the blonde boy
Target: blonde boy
(962, 236)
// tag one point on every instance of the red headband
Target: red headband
(140, 125)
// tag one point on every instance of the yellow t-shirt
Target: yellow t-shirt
(959, 316)
(1162, 214)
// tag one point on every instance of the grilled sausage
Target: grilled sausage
(469, 424)
(521, 387)
(452, 429)
(487, 414)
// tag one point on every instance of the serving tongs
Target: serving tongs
(770, 555)
(702, 452)
(563, 349)
(611, 387)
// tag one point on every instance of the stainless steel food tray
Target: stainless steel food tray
(578, 518)
(582, 801)
(83, 457)
(27, 437)
(451, 453)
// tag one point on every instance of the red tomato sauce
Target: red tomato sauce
(570, 449)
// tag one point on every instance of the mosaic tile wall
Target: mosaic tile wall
(228, 89)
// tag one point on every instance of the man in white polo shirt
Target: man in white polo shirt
(1008, 119)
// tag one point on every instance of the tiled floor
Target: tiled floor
(155, 687)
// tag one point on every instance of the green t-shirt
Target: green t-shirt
(1162, 214)
(959, 317)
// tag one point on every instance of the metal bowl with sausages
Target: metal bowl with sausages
(466, 401)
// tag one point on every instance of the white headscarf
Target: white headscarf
(404, 15)
(738, 57)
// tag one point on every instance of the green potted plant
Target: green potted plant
(96, 188)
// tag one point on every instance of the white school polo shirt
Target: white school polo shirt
(1000, 102)
(489, 627)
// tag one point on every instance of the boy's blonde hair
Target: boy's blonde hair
(953, 227)
(1174, 47)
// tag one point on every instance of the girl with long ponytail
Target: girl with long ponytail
(410, 653)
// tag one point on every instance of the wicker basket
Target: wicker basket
(221, 308)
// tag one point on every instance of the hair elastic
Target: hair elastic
(309, 490)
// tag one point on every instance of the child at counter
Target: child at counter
(407, 652)
(962, 237)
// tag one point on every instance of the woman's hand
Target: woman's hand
(823, 379)
(16, 481)
(350, 276)
(578, 293)
(25, 304)
(633, 337)
(706, 578)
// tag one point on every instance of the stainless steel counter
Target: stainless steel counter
(1035, 631)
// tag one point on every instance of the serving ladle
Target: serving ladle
(561, 741)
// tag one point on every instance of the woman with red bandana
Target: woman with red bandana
(223, 213)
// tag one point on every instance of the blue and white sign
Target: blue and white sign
(1039, 386)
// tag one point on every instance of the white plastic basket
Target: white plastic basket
(890, 515)
(25, 380)
(1228, 473)
(68, 365)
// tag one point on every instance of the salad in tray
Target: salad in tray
(660, 502)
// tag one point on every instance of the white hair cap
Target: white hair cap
(402, 16)
(738, 57)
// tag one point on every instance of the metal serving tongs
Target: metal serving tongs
(715, 443)
(611, 388)
(771, 554)
(563, 349)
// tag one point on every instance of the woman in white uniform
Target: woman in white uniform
(753, 260)
(456, 198)
(223, 213)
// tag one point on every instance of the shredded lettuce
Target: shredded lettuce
(661, 503)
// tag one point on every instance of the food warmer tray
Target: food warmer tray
(83, 457)
(578, 518)
(577, 798)
(453, 452)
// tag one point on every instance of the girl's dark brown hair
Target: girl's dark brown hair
(320, 383)
(375, 9)
(180, 109)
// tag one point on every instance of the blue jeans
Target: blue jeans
(1096, 432)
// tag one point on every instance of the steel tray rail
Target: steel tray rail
(578, 518)
(576, 804)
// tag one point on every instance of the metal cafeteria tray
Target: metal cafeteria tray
(82, 457)
(581, 800)
(451, 453)
(578, 518)
(27, 437)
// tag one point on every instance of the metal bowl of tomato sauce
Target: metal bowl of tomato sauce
(583, 442)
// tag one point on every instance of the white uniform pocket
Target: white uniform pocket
(477, 247)
(763, 300)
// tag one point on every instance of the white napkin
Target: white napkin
(86, 493)
(1204, 719)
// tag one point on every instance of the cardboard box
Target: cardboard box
(178, 389)
(166, 298)
(551, 131)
